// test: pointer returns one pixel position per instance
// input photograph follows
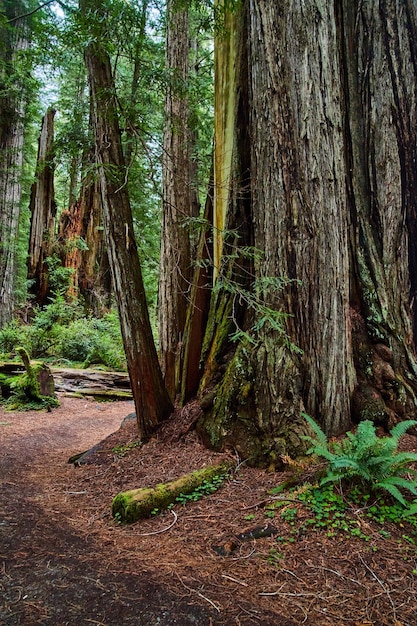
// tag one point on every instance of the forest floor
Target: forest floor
(65, 561)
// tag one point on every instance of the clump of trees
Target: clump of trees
(286, 272)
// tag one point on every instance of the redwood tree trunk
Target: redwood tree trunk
(12, 109)
(151, 399)
(179, 201)
(82, 248)
(43, 212)
(329, 90)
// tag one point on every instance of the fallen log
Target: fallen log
(130, 506)
(99, 384)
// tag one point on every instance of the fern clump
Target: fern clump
(366, 458)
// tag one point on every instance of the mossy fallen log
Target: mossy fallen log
(27, 387)
(130, 506)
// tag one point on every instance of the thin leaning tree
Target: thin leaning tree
(152, 402)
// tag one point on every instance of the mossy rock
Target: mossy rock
(130, 506)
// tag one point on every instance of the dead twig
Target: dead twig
(213, 604)
(239, 582)
(379, 581)
(163, 530)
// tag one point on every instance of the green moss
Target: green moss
(130, 506)
(23, 392)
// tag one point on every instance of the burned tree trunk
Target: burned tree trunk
(151, 399)
(82, 249)
(43, 212)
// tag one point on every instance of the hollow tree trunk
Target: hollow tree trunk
(82, 248)
(179, 201)
(151, 399)
(330, 94)
(43, 212)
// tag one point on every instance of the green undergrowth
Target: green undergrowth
(326, 508)
(361, 487)
(61, 334)
(123, 450)
(23, 393)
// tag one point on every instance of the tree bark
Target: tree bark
(12, 110)
(179, 201)
(43, 212)
(151, 399)
(82, 249)
(329, 91)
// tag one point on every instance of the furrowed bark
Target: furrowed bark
(43, 212)
(180, 202)
(151, 399)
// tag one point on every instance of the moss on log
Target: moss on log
(30, 386)
(130, 506)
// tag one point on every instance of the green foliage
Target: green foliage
(10, 337)
(364, 457)
(59, 276)
(122, 450)
(93, 341)
(59, 332)
(326, 508)
(356, 494)
(206, 488)
(23, 392)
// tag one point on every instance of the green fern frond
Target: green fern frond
(401, 428)
(368, 458)
(321, 437)
(395, 492)
(398, 481)
(405, 457)
(411, 510)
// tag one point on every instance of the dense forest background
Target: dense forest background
(55, 270)
(270, 276)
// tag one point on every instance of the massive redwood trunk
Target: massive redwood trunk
(43, 212)
(151, 399)
(326, 102)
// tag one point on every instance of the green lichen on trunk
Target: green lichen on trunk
(130, 506)
(234, 418)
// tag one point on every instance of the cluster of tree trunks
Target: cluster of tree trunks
(76, 241)
(314, 183)
(315, 161)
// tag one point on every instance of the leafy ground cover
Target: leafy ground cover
(263, 548)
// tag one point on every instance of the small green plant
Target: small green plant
(365, 458)
(206, 488)
(122, 450)
(274, 557)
